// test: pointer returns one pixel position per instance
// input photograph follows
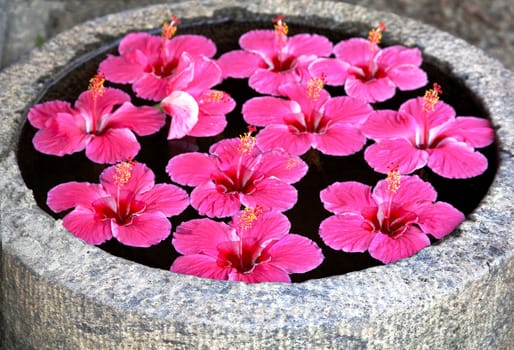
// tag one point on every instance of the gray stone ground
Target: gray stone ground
(487, 24)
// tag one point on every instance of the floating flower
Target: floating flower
(369, 72)
(260, 249)
(126, 205)
(235, 173)
(155, 64)
(308, 118)
(103, 122)
(391, 222)
(425, 131)
(270, 58)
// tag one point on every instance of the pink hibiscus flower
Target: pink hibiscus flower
(103, 122)
(308, 118)
(126, 205)
(153, 63)
(235, 173)
(369, 72)
(253, 248)
(391, 222)
(425, 131)
(271, 59)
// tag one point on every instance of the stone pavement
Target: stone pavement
(487, 24)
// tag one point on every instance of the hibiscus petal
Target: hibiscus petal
(347, 197)
(268, 226)
(39, 115)
(104, 103)
(376, 90)
(124, 70)
(206, 74)
(141, 179)
(385, 154)
(476, 132)
(407, 77)
(201, 236)
(114, 145)
(146, 43)
(309, 44)
(334, 70)
(295, 254)
(199, 265)
(389, 250)
(438, 219)
(183, 109)
(411, 192)
(339, 140)
(345, 109)
(151, 87)
(441, 114)
(283, 166)
(145, 230)
(216, 102)
(354, 51)
(262, 111)
(349, 233)
(81, 223)
(192, 44)
(456, 160)
(208, 125)
(266, 81)
(191, 169)
(259, 41)
(261, 273)
(279, 136)
(143, 120)
(71, 194)
(402, 66)
(388, 124)
(208, 201)
(273, 194)
(239, 63)
(168, 199)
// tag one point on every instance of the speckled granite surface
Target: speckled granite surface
(59, 293)
(483, 23)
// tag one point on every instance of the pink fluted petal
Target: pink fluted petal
(339, 140)
(168, 199)
(439, 219)
(376, 90)
(81, 223)
(114, 145)
(192, 44)
(124, 70)
(71, 194)
(262, 111)
(41, 113)
(201, 236)
(62, 135)
(410, 194)
(104, 103)
(347, 110)
(283, 166)
(191, 169)
(261, 273)
(271, 194)
(183, 109)
(297, 92)
(146, 43)
(441, 114)
(279, 136)
(143, 120)
(183, 74)
(210, 104)
(476, 132)
(145, 230)
(208, 201)
(400, 56)
(295, 254)
(141, 179)
(151, 87)
(266, 81)
(389, 250)
(208, 125)
(206, 74)
(347, 197)
(388, 124)
(346, 232)
(456, 160)
(269, 225)
(239, 63)
(259, 41)
(387, 154)
(199, 265)
(309, 44)
(334, 70)
(354, 51)
(407, 77)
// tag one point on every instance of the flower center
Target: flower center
(235, 180)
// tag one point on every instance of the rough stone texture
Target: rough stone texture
(484, 23)
(59, 293)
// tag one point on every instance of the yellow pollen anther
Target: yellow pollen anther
(280, 26)
(215, 96)
(247, 141)
(431, 97)
(393, 180)
(292, 163)
(96, 84)
(375, 34)
(314, 86)
(123, 173)
(169, 29)
(248, 216)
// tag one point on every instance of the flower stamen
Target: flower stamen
(96, 85)
(314, 86)
(169, 29)
(375, 34)
(393, 180)
(123, 173)
(247, 141)
(431, 97)
(248, 216)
